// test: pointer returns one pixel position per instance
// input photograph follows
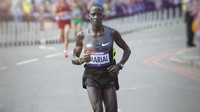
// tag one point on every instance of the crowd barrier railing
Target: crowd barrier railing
(31, 33)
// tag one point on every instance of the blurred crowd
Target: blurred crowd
(32, 10)
(77, 12)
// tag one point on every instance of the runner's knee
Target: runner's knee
(97, 107)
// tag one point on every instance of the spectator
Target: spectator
(95, 2)
(27, 9)
(99, 2)
(149, 5)
(16, 11)
(85, 6)
(107, 9)
(189, 16)
(197, 19)
(119, 9)
(113, 12)
(41, 11)
(124, 7)
(4, 9)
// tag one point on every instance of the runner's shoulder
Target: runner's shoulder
(112, 30)
(81, 34)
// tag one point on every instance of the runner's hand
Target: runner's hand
(86, 58)
(113, 70)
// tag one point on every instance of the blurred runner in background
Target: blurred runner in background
(63, 17)
(77, 11)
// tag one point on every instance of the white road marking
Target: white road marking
(53, 55)
(27, 61)
(56, 54)
(3, 68)
(50, 48)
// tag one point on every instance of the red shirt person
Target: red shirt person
(63, 17)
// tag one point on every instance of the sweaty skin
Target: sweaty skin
(98, 95)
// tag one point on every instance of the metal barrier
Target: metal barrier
(22, 33)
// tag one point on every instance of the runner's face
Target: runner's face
(96, 16)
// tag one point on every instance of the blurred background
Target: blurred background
(26, 21)
(29, 10)
(161, 75)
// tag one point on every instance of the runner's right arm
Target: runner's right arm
(77, 60)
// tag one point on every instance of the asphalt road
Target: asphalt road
(40, 79)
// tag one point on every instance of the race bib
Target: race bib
(99, 59)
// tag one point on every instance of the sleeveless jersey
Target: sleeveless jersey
(60, 8)
(100, 48)
(102, 56)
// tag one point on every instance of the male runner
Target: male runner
(100, 75)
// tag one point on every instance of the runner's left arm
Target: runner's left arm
(114, 70)
(123, 45)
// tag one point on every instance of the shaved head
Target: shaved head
(97, 5)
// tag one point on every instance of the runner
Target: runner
(63, 16)
(100, 77)
(77, 14)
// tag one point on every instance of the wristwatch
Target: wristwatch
(120, 66)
